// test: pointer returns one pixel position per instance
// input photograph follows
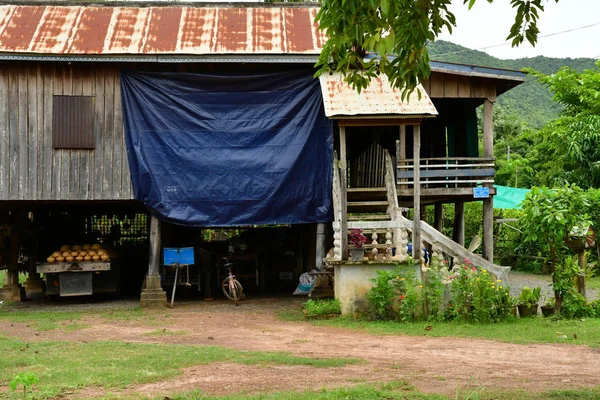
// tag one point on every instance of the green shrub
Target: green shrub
(322, 307)
(381, 296)
(477, 296)
(400, 295)
(576, 306)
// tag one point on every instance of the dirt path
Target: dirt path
(518, 280)
(431, 364)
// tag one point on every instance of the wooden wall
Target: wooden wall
(450, 86)
(30, 169)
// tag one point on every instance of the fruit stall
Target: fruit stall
(79, 270)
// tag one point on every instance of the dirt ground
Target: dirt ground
(438, 365)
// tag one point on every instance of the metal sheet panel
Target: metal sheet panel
(75, 284)
(95, 30)
(378, 99)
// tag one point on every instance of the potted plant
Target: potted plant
(548, 307)
(371, 254)
(356, 239)
(528, 301)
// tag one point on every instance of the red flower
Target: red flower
(474, 269)
(402, 296)
(468, 262)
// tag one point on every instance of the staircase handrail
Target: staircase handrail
(449, 246)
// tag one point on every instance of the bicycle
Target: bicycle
(232, 288)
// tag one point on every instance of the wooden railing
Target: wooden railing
(447, 172)
(338, 214)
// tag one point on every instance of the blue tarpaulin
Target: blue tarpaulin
(229, 149)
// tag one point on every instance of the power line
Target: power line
(508, 43)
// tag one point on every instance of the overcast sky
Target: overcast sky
(489, 24)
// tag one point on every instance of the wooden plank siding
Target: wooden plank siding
(30, 168)
(449, 86)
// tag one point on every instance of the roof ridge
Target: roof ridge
(156, 3)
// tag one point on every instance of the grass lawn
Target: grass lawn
(63, 366)
(42, 320)
(520, 331)
(389, 391)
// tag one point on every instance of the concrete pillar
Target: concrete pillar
(153, 296)
(34, 283)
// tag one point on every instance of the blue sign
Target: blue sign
(481, 193)
(181, 255)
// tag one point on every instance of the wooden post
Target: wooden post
(488, 204)
(458, 230)
(581, 277)
(438, 219)
(344, 195)
(402, 148)
(12, 290)
(155, 245)
(416, 234)
(153, 296)
(320, 246)
(34, 282)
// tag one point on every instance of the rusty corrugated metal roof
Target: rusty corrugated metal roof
(105, 30)
(378, 99)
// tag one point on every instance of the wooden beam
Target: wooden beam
(155, 245)
(488, 204)
(380, 122)
(344, 195)
(449, 173)
(441, 192)
(416, 234)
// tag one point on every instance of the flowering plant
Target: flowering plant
(478, 296)
(356, 238)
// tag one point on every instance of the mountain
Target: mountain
(531, 102)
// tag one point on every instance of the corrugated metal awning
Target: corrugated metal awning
(173, 30)
(378, 99)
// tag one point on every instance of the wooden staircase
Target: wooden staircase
(377, 210)
(370, 201)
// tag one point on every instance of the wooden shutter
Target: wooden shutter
(73, 122)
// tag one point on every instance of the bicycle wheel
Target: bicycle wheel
(232, 289)
(239, 289)
(234, 293)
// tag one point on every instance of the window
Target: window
(73, 122)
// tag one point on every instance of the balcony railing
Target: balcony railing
(451, 172)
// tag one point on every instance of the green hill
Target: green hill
(531, 102)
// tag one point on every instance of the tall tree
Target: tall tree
(397, 31)
(576, 133)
